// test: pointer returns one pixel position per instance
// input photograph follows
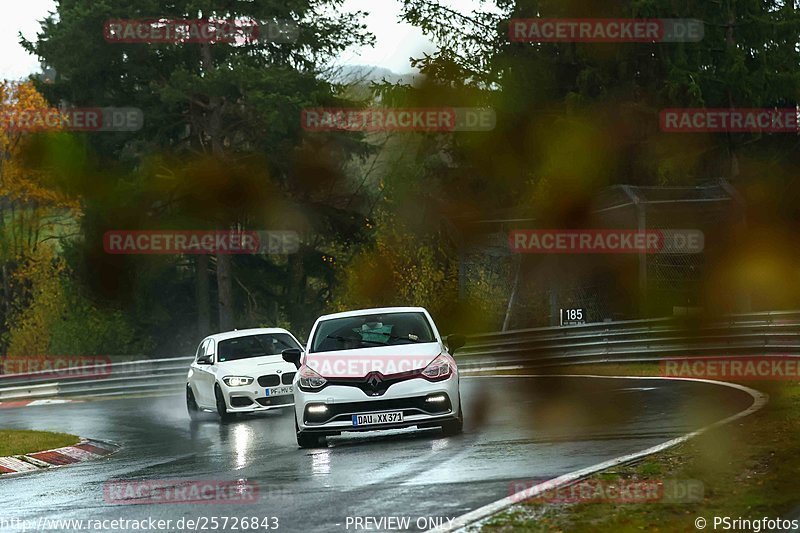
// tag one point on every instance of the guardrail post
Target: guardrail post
(641, 224)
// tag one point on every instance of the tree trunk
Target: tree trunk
(203, 300)
(295, 287)
(214, 131)
(224, 288)
(732, 167)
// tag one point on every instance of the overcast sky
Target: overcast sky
(396, 41)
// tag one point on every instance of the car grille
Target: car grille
(277, 400)
(374, 383)
(338, 412)
(240, 401)
(287, 378)
(270, 380)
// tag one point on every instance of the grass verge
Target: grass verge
(748, 469)
(21, 441)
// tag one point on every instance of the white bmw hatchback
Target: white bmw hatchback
(240, 372)
(375, 369)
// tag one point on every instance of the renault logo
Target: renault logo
(374, 380)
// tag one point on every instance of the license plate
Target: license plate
(279, 391)
(378, 418)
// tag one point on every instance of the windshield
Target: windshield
(369, 331)
(254, 346)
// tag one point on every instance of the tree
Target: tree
(546, 92)
(222, 144)
(575, 117)
(32, 211)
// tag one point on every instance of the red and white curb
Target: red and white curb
(28, 403)
(85, 450)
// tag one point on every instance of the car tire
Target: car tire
(222, 408)
(456, 426)
(309, 440)
(195, 413)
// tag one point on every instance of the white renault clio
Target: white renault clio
(375, 369)
(241, 371)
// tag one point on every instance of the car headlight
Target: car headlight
(438, 369)
(310, 379)
(237, 381)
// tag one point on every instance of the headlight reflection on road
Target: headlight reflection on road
(438, 445)
(242, 440)
(321, 463)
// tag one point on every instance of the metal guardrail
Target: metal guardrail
(646, 325)
(769, 333)
(129, 377)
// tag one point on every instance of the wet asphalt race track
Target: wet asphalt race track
(517, 428)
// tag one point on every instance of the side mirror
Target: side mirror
(205, 360)
(454, 342)
(292, 355)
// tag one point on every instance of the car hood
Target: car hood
(255, 366)
(388, 360)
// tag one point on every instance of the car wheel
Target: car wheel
(191, 404)
(309, 440)
(222, 409)
(454, 427)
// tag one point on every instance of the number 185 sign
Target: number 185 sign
(573, 316)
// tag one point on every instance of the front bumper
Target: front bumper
(253, 398)
(411, 397)
(236, 403)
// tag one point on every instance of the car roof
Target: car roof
(376, 310)
(244, 332)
